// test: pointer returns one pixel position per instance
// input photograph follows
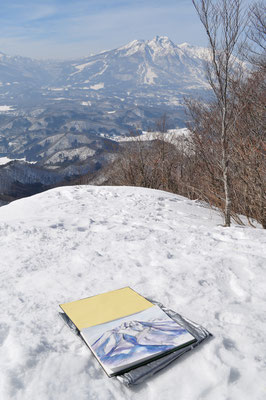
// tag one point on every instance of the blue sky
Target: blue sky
(75, 28)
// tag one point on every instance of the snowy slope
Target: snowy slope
(106, 94)
(143, 64)
(171, 136)
(74, 242)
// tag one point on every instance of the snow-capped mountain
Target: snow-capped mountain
(105, 94)
(139, 64)
(143, 64)
(60, 113)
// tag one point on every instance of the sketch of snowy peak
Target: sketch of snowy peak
(136, 341)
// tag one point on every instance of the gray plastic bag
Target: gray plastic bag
(140, 374)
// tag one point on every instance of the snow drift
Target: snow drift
(74, 242)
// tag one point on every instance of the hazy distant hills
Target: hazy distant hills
(105, 94)
(21, 70)
(62, 114)
(139, 65)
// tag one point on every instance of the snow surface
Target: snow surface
(150, 76)
(6, 160)
(60, 98)
(195, 51)
(6, 108)
(86, 103)
(82, 153)
(81, 67)
(171, 136)
(97, 86)
(56, 89)
(73, 242)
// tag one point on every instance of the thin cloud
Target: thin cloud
(67, 28)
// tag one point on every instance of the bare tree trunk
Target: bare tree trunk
(222, 23)
(226, 177)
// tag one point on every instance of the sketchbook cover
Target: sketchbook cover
(124, 330)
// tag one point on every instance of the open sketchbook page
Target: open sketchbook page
(132, 340)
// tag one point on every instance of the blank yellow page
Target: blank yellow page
(105, 307)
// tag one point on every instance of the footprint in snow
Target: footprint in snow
(4, 330)
(81, 229)
(234, 375)
(229, 344)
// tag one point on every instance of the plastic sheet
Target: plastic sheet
(140, 374)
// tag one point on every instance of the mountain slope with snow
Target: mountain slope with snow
(146, 65)
(156, 63)
(139, 63)
(106, 94)
(73, 242)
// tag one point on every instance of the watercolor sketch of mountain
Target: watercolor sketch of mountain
(131, 340)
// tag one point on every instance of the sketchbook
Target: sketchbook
(124, 330)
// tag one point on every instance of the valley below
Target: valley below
(65, 117)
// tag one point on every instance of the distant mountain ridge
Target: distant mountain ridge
(63, 114)
(139, 63)
(105, 94)
(156, 62)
